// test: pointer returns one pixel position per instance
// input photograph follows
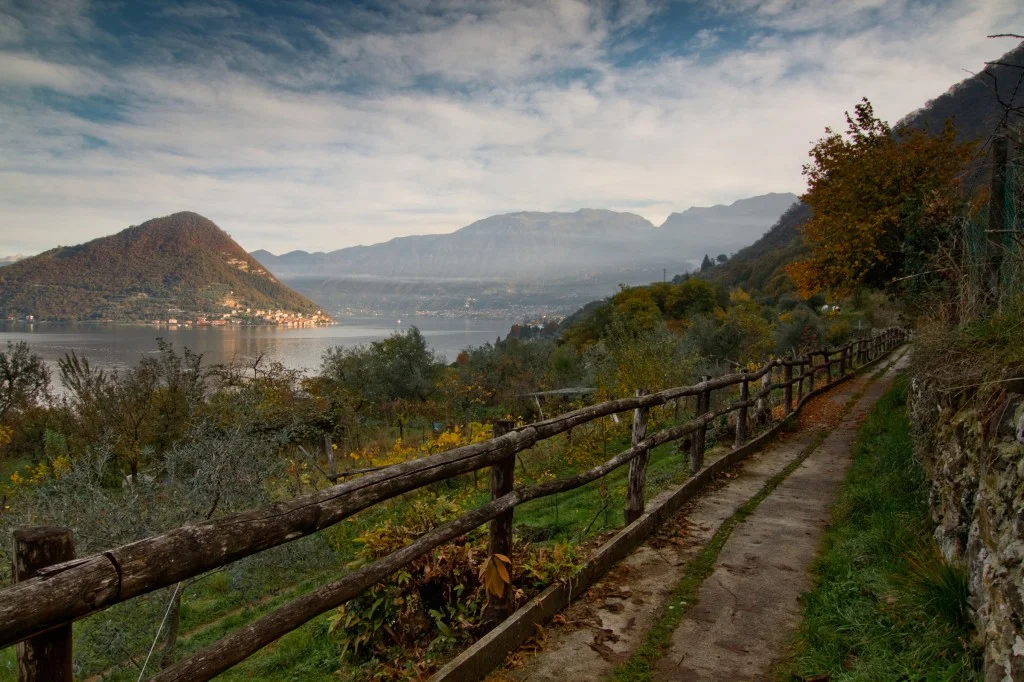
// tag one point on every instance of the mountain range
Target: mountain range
(531, 246)
(181, 265)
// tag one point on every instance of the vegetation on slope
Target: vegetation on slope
(886, 605)
(182, 263)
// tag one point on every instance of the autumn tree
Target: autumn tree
(882, 202)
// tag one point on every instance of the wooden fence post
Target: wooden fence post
(800, 382)
(500, 529)
(329, 452)
(741, 416)
(787, 392)
(810, 381)
(763, 409)
(637, 466)
(45, 657)
(697, 439)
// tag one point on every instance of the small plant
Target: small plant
(940, 587)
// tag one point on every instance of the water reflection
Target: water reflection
(118, 346)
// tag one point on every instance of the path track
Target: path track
(748, 607)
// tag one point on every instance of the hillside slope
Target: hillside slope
(972, 105)
(180, 264)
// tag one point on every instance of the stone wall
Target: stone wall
(973, 453)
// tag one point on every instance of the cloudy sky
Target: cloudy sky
(318, 125)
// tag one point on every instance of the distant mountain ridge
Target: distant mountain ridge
(179, 265)
(555, 245)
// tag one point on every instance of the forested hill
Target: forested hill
(179, 266)
(973, 105)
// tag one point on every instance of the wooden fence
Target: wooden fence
(38, 610)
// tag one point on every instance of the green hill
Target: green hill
(181, 265)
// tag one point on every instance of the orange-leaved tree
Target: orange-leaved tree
(883, 202)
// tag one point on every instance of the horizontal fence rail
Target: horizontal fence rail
(56, 595)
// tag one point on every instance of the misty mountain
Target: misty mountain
(723, 229)
(547, 246)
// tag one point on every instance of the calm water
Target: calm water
(121, 345)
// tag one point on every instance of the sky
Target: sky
(320, 125)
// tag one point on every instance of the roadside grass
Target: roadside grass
(886, 605)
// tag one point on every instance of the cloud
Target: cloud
(322, 128)
(211, 9)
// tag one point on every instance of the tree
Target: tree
(24, 378)
(706, 264)
(882, 203)
(400, 367)
(722, 258)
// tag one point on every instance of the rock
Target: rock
(977, 503)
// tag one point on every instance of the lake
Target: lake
(118, 346)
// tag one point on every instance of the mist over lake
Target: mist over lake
(118, 346)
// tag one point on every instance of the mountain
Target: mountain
(7, 260)
(531, 246)
(761, 266)
(181, 265)
(973, 105)
(723, 229)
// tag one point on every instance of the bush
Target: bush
(799, 331)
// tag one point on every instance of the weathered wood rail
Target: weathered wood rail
(48, 599)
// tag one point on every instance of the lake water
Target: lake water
(117, 346)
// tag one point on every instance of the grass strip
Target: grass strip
(886, 605)
(640, 665)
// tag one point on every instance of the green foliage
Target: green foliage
(644, 309)
(627, 359)
(799, 331)
(400, 367)
(24, 379)
(740, 334)
(886, 606)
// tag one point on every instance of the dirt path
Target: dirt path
(749, 604)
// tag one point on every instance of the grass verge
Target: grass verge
(640, 665)
(885, 606)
